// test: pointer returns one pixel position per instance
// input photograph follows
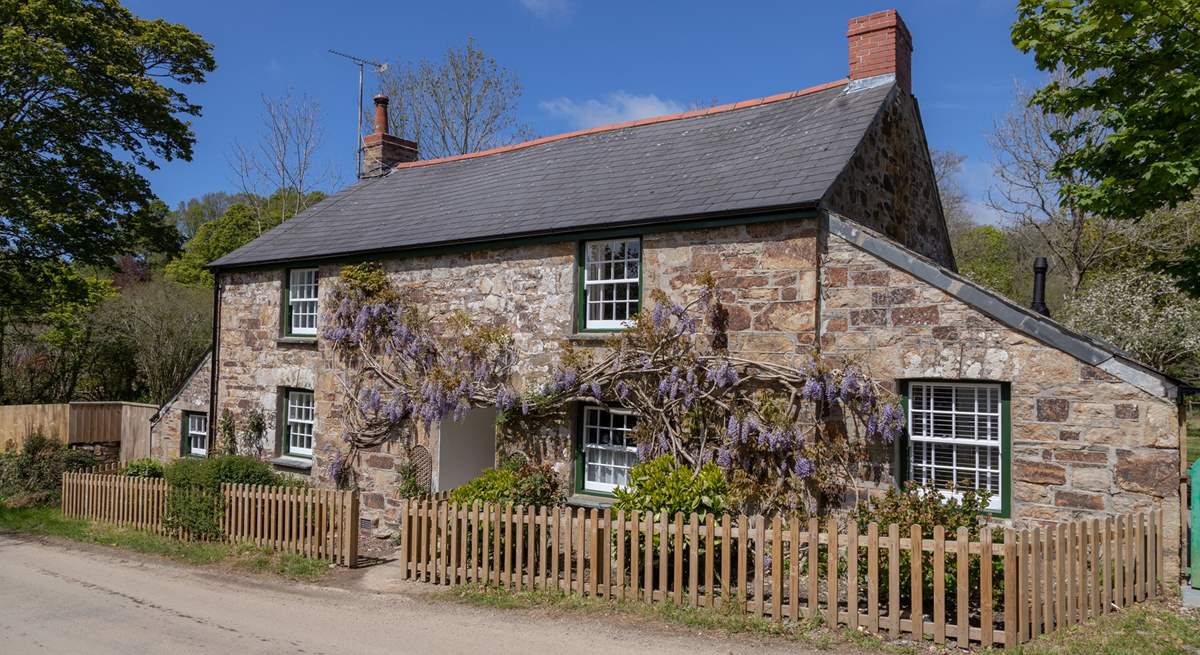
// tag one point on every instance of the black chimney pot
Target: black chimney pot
(1039, 286)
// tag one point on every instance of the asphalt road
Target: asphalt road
(63, 598)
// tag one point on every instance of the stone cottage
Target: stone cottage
(817, 213)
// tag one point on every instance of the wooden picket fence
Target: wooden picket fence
(317, 523)
(1020, 584)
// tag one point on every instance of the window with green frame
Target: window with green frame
(297, 422)
(610, 283)
(193, 434)
(604, 451)
(958, 437)
(300, 302)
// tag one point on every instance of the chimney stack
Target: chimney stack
(880, 43)
(1039, 287)
(382, 151)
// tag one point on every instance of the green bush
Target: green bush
(661, 485)
(518, 484)
(33, 475)
(143, 468)
(924, 506)
(211, 472)
(194, 501)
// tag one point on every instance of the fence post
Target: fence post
(350, 525)
(1011, 590)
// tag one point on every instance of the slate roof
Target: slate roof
(772, 153)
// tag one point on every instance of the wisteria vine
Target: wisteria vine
(788, 437)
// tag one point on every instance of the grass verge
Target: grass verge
(50, 522)
(810, 633)
(1145, 629)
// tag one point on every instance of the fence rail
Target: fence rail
(1019, 584)
(318, 523)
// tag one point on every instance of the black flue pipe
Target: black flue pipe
(1039, 286)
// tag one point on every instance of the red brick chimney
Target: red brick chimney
(382, 151)
(880, 43)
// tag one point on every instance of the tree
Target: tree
(89, 94)
(1036, 196)
(1145, 314)
(1134, 68)
(987, 256)
(464, 103)
(166, 327)
(239, 225)
(189, 216)
(277, 175)
(947, 171)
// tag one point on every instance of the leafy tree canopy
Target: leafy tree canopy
(88, 96)
(239, 225)
(985, 255)
(1136, 66)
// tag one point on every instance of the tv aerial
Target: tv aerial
(379, 67)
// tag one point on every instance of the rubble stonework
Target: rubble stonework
(889, 184)
(1083, 441)
(191, 397)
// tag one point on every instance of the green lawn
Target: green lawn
(50, 522)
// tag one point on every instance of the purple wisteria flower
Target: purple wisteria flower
(803, 467)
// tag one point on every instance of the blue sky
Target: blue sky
(582, 63)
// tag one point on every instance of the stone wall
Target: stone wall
(889, 183)
(766, 276)
(1083, 441)
(766, 273)
(192, 397)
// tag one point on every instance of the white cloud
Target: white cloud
(615, 108)
(547, 9)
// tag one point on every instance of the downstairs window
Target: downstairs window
(958, 438)
(606, 450)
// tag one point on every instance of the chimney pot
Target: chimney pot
(880, 43)
(381, 114)
(1039, 286)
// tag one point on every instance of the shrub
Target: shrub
(661, 485)
(925, 506)
(33, 475)
(143, 468)
(194, 501)
(518, 484)
(410, 486)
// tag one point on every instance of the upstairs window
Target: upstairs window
(611, 292)
(195, 434)
(302, 302)
(300, 418)
(957, 437)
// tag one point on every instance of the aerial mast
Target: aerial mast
(361, 63)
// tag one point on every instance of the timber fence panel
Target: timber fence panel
(297, 521)
(997, 588)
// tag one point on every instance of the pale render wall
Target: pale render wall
(1084, 442)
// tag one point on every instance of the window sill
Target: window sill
(590, 500)
(288, 461)
(594, 336)
(296, 341)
